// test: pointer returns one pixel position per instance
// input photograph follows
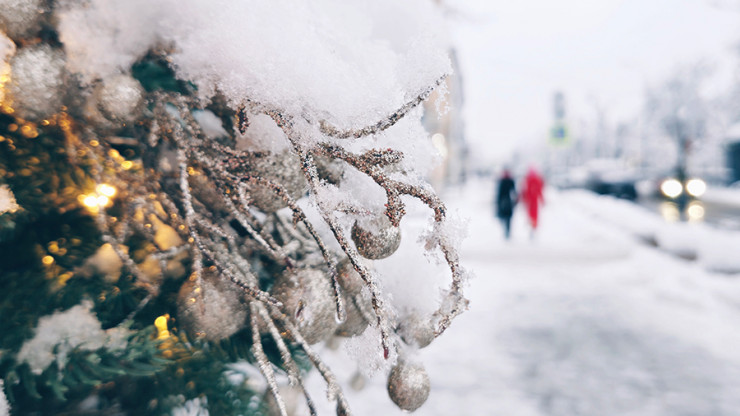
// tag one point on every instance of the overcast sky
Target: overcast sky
(516, 53)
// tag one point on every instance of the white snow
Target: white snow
(58, 334)
(350, 62)
(582, 319)
(4, 406)
(7, 200)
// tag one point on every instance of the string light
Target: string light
(106, 190)
(100, 199)
(161, 324)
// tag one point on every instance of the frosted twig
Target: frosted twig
(334, 390)
(309, 169)
(263, 363)
(291, 368)
(383, 124)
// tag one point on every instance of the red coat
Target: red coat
(532, 195)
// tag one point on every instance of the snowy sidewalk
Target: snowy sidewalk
(581, 320)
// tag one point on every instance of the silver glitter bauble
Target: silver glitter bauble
(282, 168)
(357, 307)
(21, 18)
(291, 398)
(378, 239)
(348, 278)
(328, 169)
(415, 330)
(36, 86)
(408, 385)
(214, 310)
(120, 98)
(308, 300)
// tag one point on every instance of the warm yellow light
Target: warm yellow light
(90, 201)
(127, 164)
(161, 324)
(105, 189)
(47, 260)
(102, 200)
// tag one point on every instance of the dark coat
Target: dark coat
(505, 197)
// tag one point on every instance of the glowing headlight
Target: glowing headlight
(696, 187)
(671, 188)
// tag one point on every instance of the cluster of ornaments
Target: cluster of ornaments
(40, 86)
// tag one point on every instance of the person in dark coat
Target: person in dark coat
(505, 200)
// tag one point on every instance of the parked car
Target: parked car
(616, 184)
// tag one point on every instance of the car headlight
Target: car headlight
(671, 188)
(696, 187)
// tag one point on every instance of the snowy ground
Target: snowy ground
(598, 314)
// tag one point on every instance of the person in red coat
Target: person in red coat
(532, 195)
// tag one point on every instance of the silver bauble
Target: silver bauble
(408, 385)
(348, 278)
(308, 300)
(328, 169)
(283, 169)
(120, 98)
(415, 330)
(21, 18)
(214, 310)
(376, 239)
(37, 78)
(357, 307)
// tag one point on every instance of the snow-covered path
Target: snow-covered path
(583, 319)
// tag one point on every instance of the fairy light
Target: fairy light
(106, 190)
(161, 324)
(47, 260)
(90, 201)
(101, 198)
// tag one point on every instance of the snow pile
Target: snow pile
(349, 63)
(62, 332)
(7, 200)
(194, 407)
(713, 248)
(4, 406)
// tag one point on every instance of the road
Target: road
(716, 213)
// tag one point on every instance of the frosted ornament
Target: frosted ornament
(355, 323)
(21, 18)
(378, 241)
(120, 98)
(283, 169)
(308, 300)
(408, 385)
(213, 310)
(36, 87)
(328, 169)
(348, 278)
(415, 330)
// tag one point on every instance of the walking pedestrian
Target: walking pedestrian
(532, 196)
(505, 200)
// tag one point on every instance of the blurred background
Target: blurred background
(620, 294)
